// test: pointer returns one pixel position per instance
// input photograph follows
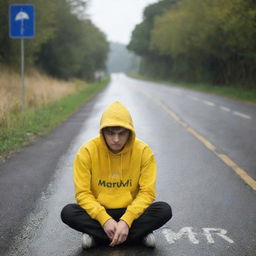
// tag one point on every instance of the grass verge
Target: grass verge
(238, 93)
(34, 122)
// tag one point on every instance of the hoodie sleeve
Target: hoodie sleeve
(83, 193)
(146, 194)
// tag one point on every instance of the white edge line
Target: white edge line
(209, 103)
(225, 109)
(241, 115)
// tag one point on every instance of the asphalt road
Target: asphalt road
(205, 150)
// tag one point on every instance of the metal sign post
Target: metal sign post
(22, 75)
(22, 25)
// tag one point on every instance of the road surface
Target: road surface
(205, 150)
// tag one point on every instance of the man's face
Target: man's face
(116, 138)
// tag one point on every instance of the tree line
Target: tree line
(67, 44)
(198, 41)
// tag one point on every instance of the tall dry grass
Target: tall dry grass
(40, 90)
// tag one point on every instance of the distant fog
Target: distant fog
(121, 60)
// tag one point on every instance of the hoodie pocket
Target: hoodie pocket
(117, 199)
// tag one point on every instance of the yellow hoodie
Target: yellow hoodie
(104, 180)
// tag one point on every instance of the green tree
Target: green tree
(95, 50)
(212, 41)
(77, 48)
(66, 44)
(141, 35)
(152, 63)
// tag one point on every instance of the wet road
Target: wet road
(205, 150)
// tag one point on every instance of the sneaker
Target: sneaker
(87, 241)
(149, 240)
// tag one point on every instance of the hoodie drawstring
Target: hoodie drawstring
(109, 166)
(121, 166)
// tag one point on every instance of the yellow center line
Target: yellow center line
(228, 161)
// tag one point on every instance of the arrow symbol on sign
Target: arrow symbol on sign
(22, 16)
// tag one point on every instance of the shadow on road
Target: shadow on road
(117, 251)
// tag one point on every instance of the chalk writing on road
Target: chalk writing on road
(187, 232)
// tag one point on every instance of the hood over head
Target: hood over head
(117, 114)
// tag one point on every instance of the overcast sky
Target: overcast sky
(117, 18)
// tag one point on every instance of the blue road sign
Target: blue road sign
(21, 21)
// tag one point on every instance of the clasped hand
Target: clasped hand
(116, 231)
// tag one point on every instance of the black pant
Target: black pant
(155, 216)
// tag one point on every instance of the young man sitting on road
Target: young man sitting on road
(114, 176)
